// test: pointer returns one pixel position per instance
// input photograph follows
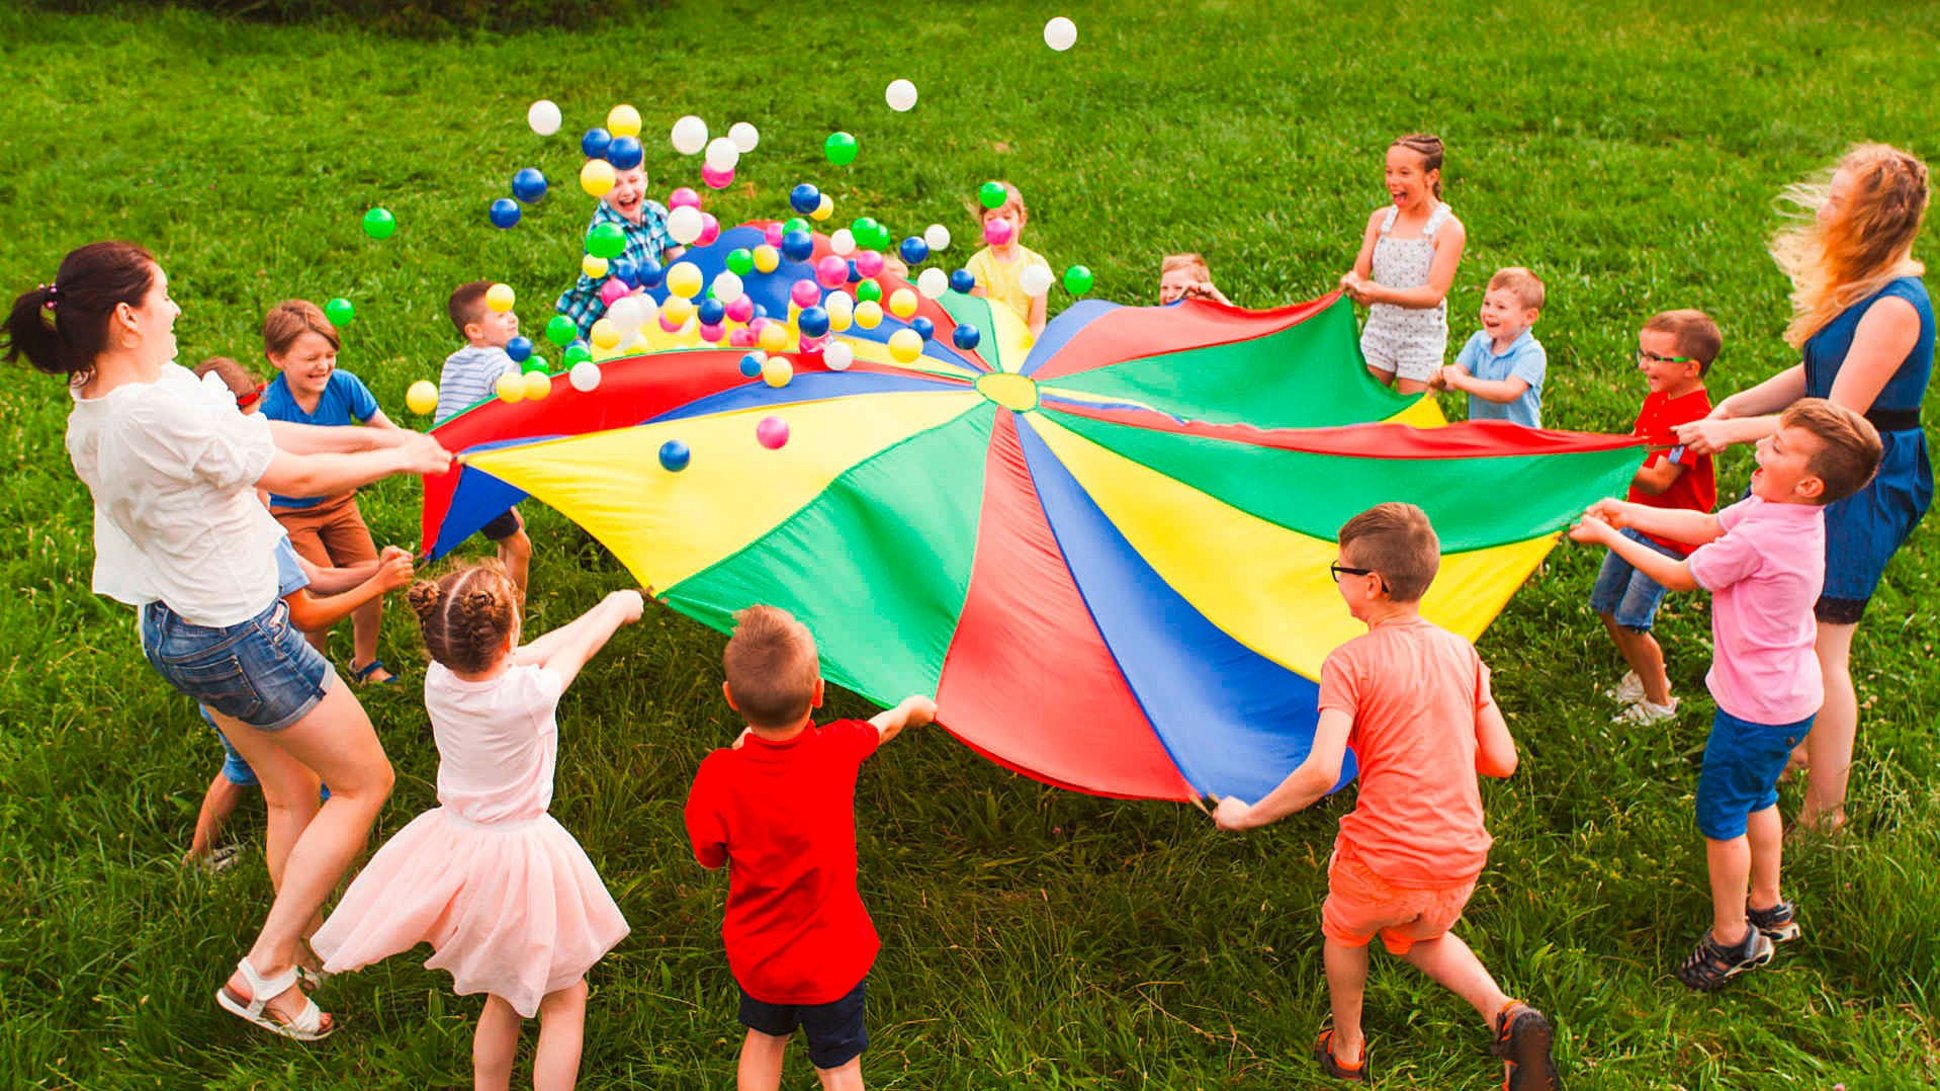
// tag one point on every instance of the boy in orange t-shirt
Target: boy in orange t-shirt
(1413, 700)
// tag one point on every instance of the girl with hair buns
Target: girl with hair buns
(1405, 268)
(504, 895)
(179, 533)
(1863, 322)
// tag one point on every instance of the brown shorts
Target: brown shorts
(330, 535)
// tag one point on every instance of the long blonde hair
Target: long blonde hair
(1867, 242)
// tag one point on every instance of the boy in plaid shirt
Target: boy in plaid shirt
(647, 240)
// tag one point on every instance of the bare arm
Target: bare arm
(1501, 391)
(310, 612)
(1677, 524)
(1495, 748)
(1880, 344)
(379, 420)
(1672, 572)
(329, 474)
(1658, 476)
(1449, 242)
(1311, 780)
(324, 439)
(581, 638)
(1036, 320)
(1364, 261)
(912, 712)
(1745, 417)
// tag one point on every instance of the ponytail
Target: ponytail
(62, 327)
(1429, 147)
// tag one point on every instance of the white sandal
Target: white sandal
(307, 1026)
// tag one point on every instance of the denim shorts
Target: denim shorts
(1625, 593)
(1742, 761)
(259, 671)
(836, 1034)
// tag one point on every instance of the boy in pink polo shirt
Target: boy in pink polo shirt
(1763, 560)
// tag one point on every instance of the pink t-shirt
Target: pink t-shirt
(1415, 691)
(1764, 575)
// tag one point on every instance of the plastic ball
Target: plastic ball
(962, 280)
(766, 258)
(595, 267)
(740, 338)
(840, 148)
(500, 297)
(584, 376)
(596, 177)
(751, 363)
(626, 270)
(865, 228)
(772, 233)
(712, 332)
(992, 195)
(422, 398)
(504, 213)
(740, 309)
(905, 346)
(710, 230)
(744, 135)
(594, 142)
(1077, 280)
(613, 290)
(924, 328)
(684, 279)
(868, 314)
(998, 232)
(532, 364)
(716, 179)
(649, 274)
(711, 312)
(838, 356)
(537, 385)
(933, 283)
(914, 250)
(684, 224)
(623, 120)
(727, 287)
(379, 223)
(840, 307)
(722, 154)
(529, 184)
(518, 348)
(869, 263)
(965, 336)
(510, 387)
(831, 271)
(805, 198)
(772, 433)
(937, 236)
(868, 291)
(813, 321)
(797, 246)
(804, 293)
(1060, 34)
(684, 197)
(677, 310)
(902, 303)
(629, 313)
(674, 456)
(339, 311)
(773, 337)
(605, 334)
(576, 353)
(823, 209)
(776, 371)
(625, 153)
(544, 117)
(689, 135)
(901, 96)
(740, 261)
(842, 242)
(1036, 280)
(561, 330)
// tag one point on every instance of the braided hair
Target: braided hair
(466, 615)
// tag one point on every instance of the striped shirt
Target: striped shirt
(645, 241)
(470, 376)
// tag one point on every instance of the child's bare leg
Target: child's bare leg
(1730, 864)
(364, 623)
(1646, 657)
(562, 1033)
(846, 1078)
(1449, 961)
(218, 803)
(1346, 988)
(1765, 833)
(1829, 746)
(494, 1045)
(760, 1068)
(515, 552)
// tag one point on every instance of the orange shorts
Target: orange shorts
(330, 534)
(1360, 904)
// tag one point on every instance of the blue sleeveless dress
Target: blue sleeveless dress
(1864, 529)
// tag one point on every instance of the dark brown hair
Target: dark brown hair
(1694, 333)
(466, 614)
(290, 320)
(1398, 543)
(1429, 147)
(1849, 450)
(771, 667)
(467, 303)
(62, 327)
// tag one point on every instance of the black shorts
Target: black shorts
(836, 1034)
(502, 527)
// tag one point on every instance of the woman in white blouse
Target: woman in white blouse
(180, 534)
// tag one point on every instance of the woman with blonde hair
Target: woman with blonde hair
(1863, 322)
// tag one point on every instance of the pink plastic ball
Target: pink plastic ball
(710, 230)
(805, 294)
(669, 324)
(772, 233)
(712, 334)
(756, 325)
(832, 272)
(868, 263)
(740, 309)
(741, 339)
(997, 232)
(613, 289)
(813, 344)
(772, 433)
(685, 195)
(717, 179)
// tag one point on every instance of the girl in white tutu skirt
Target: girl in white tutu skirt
(506, 898)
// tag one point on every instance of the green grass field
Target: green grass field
(1032, 938)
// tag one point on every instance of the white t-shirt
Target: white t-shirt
(173, 466)
(497, 741)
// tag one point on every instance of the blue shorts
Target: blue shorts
(234, 769)
(1742, 761)
(259, 671)
(836, 1035)
(1625, 593)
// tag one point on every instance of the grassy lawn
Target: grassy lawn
(1032, 937)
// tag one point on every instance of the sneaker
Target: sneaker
(1779, 923)
(1522, 1039)
(1711, 965)
(1627, 692)
(1646, 712)
(1334, 1066)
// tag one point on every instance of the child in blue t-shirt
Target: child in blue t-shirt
(1501, 367)
(330, 533)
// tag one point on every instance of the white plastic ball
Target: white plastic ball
(722, 155)
(838, 356)
(842, 242)
(728, 287)
(933, 282)
(744, 135)
(585, 376)
(901, 96)
(1036, 280)
(689, 135)
(685, 225)
(544, 117)
(937, 236)
(1060, 34)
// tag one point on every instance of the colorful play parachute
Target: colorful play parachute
(1107, 556)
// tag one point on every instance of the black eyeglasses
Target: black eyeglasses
(1642, 356)
(1337, 570)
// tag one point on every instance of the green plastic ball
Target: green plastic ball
(795, 223)
(740, 261)
(868, 292)
(561, 330)
(606, 240)
(992, 195)
(840, 148)
(533, 363)
(379, 223)
(865, 229)
(575, 354)
(339, 311)
(1077, 280)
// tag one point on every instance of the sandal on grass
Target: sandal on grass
(1523, 1038)
(1334, 1066)
(307, 1026)
(362, 675)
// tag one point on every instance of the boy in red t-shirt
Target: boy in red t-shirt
(778, 808)
(1413, 700)
(1674, 351)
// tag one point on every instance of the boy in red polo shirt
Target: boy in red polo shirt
(779, 809)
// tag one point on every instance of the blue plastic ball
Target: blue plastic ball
(674, 456)
(751, 366)
(962, 281)
(712, 311)
(914, 250)
(595, 143)
(814, 322)
(924, 328)
(760, 310)
(966, 336)
(855, 274)
(805, 198)
(529, 185)
(519, 349)
(625, 152)
(649, 274)
(797, 245)
(626, 270)
(504, 212)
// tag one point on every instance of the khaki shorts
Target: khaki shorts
(330, 535)
(1361, 904)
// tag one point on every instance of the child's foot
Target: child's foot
(1713, 964)
(373, 673)
(1646, 712)
(1627, 692)
(1779, 923)
(1334, 1066)
(1522, 1039)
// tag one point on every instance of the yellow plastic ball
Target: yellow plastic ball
(510, 387)
(868, 315)
(773, 337)
(596, 177)
(777, 371)
(538, 384)
(422, 398)
(678, 309)
(766, 258)
(623, 120)
(605, 335)
(499, 297)
(593, 266)
(824, 210)
(905, 346)
(902, 303)
(684, 279)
